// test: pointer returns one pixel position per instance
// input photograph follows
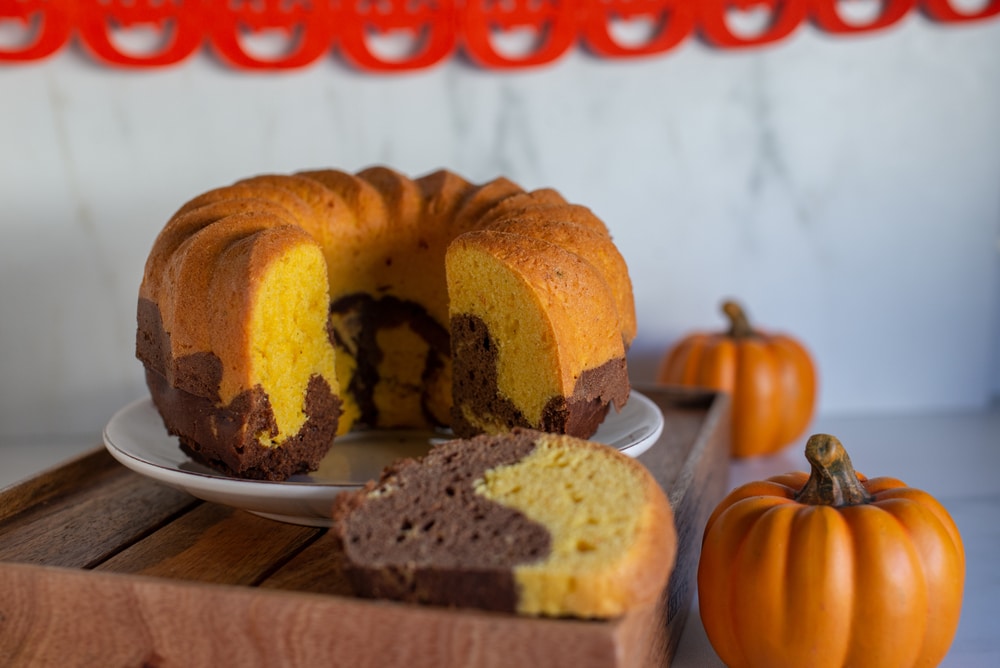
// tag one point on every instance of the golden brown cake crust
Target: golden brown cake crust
(590, 244)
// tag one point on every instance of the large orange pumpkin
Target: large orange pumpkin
(830, 569)
(770, 377)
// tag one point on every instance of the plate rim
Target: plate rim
(252, 495)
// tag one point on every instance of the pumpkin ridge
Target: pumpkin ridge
(922, 515)
(827, 527)
(868, 523)
(736, 574)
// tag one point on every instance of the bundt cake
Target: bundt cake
(281, 310)
(526, 522)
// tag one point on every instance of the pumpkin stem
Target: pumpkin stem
(739, 324)
(833, 481)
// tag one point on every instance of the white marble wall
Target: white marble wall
(848, 189)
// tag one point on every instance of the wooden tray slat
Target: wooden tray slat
(316, 569)
(90, 518)
(214, 543)
(100, 566)
(74, 474)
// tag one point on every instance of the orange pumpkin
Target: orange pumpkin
(830, 569)
(770, 377)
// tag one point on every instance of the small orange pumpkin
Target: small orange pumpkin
(830, 569)
(770, 377)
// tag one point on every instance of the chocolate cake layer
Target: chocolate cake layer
(475, 380)
(361, 316)
(421, 533)
(225, 437)
(150, 337)
(582, 413)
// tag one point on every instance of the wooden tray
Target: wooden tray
(101, 566)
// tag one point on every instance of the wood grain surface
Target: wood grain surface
(100, 566)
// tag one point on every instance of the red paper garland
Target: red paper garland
(439, 27)
(674, 20)
(827, 17)
(435, 21)
(786, 16)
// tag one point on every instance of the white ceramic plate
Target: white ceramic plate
(135, 436)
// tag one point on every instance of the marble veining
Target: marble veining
(846, 189)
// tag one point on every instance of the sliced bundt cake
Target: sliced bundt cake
(378, 242)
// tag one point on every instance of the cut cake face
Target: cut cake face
(525, 522)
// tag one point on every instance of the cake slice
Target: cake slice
(521, 354)
(525, 522)
(250, 386)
